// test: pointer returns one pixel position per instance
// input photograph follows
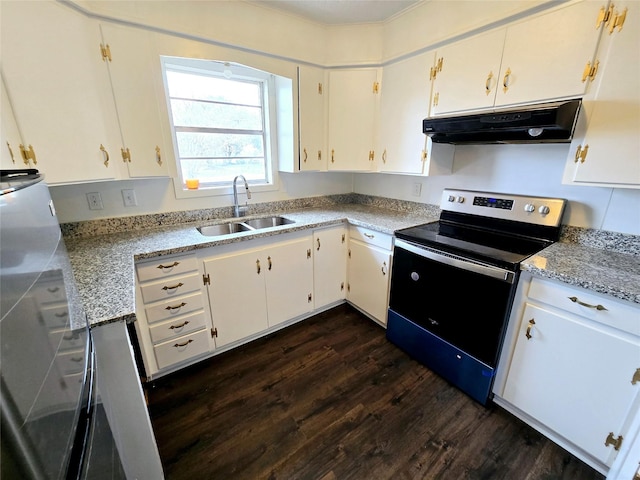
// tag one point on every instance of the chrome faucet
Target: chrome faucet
(239, 211)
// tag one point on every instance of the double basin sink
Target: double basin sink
(243, 226)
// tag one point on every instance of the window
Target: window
(220, 119)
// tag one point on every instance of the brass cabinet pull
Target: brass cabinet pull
(13, 160)
(636, 377)
(173, 327)
(175, 307)
(258, 266)
(77, 359)
(576, 300)
(384, 156)
(177, 345)
(487, 85)
(318, 240)
(269, 262)
(158, 156)
(369, 235)
(172, 288)
(505, 80)
(384, 268)
(61, 314)
(304, 150)
(527, 334)
(106, 155)
(332, 156)
(308, 253)
(162, 267)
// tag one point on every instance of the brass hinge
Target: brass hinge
(319, 89)
(342, 286)
(349, 253)
(436, 99)
(376, 87)
(604, 16)
(581, 154)
(423, 155)
(439, 64)
(348, 287)
(206, 279)
(590, 71)
(308, 253)
(333, 152)
(309, 298)
(616, 442)
(618, 21)
(319, 155)
(432, 73)
(105, 51)
(636, 377)
(371, 154)
(28, 154)
(343, 237)
(126, 155)
(214, 333)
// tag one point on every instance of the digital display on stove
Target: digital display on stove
(493, 203)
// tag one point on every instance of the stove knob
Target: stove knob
(460, 199)
(451, 198)
(543, 209)
(529, 207)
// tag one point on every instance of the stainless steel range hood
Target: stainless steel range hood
(541, 123)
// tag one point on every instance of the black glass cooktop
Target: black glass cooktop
(503, 249)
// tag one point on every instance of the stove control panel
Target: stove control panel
(518, 208)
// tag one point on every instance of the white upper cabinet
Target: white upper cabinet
(606, 145)
(544, 58)
(132, 71)
(312, 93)
(538, 59)
(61, 98)
(404, 103)
(467, 73)
(353, 103)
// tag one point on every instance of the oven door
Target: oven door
(450, 314)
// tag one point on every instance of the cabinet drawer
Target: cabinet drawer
(165, 267)
(55, 316)
(70, 362)
(174, 307)
(176, 327)
(371, 237)
(65, 340)
(171, 287)
(181, 349)
(49, 292)
(584, 303)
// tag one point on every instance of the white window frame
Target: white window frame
(216, 67)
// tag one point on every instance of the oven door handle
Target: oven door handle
(459, 262)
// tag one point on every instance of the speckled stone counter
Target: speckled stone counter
(103, 264)
(604, 262)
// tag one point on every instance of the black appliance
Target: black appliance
(542, 123)
(453, 281)
(54, 425)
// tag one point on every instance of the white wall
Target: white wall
(525, 169)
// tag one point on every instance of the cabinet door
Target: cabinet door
(311, 97)
(606, 146)
(544, 58)
(60, 94)
(404, 103)
(237, 295)
(573, 377)
(368, 270)
(329, 265)
(352, 112)
(132, 71)
(467, 74)
(10, 139)
(289, 278)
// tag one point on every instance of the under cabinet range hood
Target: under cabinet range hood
(540, 123)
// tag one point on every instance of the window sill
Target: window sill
(183, 192)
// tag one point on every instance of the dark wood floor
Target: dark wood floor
(330, 398)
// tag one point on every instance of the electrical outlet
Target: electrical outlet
(417, 189)
(129, 198)
(95, 201)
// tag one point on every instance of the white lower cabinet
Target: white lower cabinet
(369, 270)
(329, 265)
(575, 369)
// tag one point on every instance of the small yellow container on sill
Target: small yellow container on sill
(193, 183)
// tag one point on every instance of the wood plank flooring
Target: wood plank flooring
(330, 398)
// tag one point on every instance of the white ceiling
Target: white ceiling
(340, 12)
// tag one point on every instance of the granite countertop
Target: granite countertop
(103, 265)
(613, 273)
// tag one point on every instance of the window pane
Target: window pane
(188, 113)
(188, 85)
(223, 170)
(209, 145)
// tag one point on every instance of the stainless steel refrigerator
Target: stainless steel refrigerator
(52, 420)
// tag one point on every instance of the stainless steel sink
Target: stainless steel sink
(267, 222)
(223, 229)
(247, 225)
